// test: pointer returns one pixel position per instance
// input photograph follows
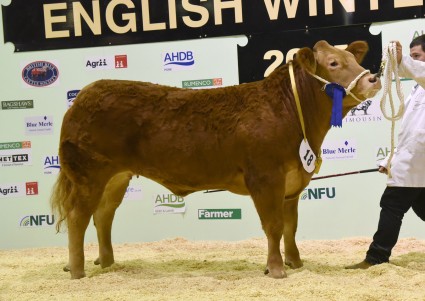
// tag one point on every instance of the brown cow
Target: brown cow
(243, 139)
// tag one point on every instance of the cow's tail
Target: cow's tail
(59, 200)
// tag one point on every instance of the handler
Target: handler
(406, 188)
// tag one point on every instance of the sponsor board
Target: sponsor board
(9, 190)
(382, 152)
(106, 62)
(202, 83)
(51, 165)
(15, 153)
(179, 60)
(321, 193)
(339, 150)
(168, 203)
(40, 74)
(219, 214)
(39, 125)
(31, 221)
(367, 111)
(17, 104)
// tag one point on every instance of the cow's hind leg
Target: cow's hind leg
(290, 223)
(104, 216)
(84, 200)
(268, 196)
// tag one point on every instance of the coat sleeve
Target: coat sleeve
(413, 69)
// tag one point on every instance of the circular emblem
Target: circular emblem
(40, 74)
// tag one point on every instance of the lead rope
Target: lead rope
(390, 67)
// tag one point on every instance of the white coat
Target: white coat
(408, 162)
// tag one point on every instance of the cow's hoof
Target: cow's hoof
(294, 264)
(78, 275)
(275, 273)
(104, 263)
(66, 268)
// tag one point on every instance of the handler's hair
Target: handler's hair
(420, 40)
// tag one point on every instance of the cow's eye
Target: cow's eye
(334, 64)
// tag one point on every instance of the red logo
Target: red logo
(31, 188)
(121, 61)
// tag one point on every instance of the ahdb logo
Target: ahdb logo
(322, 193)
(179, 60)
(31, 221)
(169, 203)
(51, 165)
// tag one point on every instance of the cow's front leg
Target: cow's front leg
(268, 195)
(290, 223)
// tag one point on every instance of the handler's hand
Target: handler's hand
(382, 169)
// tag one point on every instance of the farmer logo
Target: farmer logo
(180, 60)
(169, 203)
(339, 150)
(37, 221)
(39, 125)
(17, 104)
(70, 97)
(51, 165)
(219, 213)
(40, 74)
(322, 193)
(202, 83)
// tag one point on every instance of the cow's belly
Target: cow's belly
(296, 181)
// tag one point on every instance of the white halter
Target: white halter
(350, 86)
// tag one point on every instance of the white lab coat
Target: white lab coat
(408, 162)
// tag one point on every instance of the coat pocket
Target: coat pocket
(417, 142)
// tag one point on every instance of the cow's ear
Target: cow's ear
(305, 56)
(359, 49)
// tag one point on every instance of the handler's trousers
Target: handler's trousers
(395, 202)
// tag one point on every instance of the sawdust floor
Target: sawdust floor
(178, 269)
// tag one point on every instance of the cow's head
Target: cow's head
(342, 67)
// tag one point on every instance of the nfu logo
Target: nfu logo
(51, 165)
(322, 193)
(169, 203)
(37, 221)
(180, 60)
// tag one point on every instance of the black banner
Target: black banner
(265, 52)
(56, 24)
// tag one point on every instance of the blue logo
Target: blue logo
(178, 60)
(70, 96)
(40, 74)
(51, 165)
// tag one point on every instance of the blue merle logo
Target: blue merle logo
(179, 60)
(40, 74)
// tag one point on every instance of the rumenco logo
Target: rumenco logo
(202, 83)
(219, 213)
(40, 74)
(15, 153)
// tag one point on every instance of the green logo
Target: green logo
(15, 145)
(199, 83)
(169, 200)
(17, 104)
(219, 213)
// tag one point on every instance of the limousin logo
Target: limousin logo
(169, 203)
(322, 193)
(17, 104)
(40, 74)
(15, 153)
(179, 60)
(367, 111)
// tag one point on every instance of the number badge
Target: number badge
(307, 156)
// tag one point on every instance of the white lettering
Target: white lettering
(147, 25)
(79, 12)
(130, 17)
(195, 9)
(219, 6)
(407, 3)
(49, 20)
